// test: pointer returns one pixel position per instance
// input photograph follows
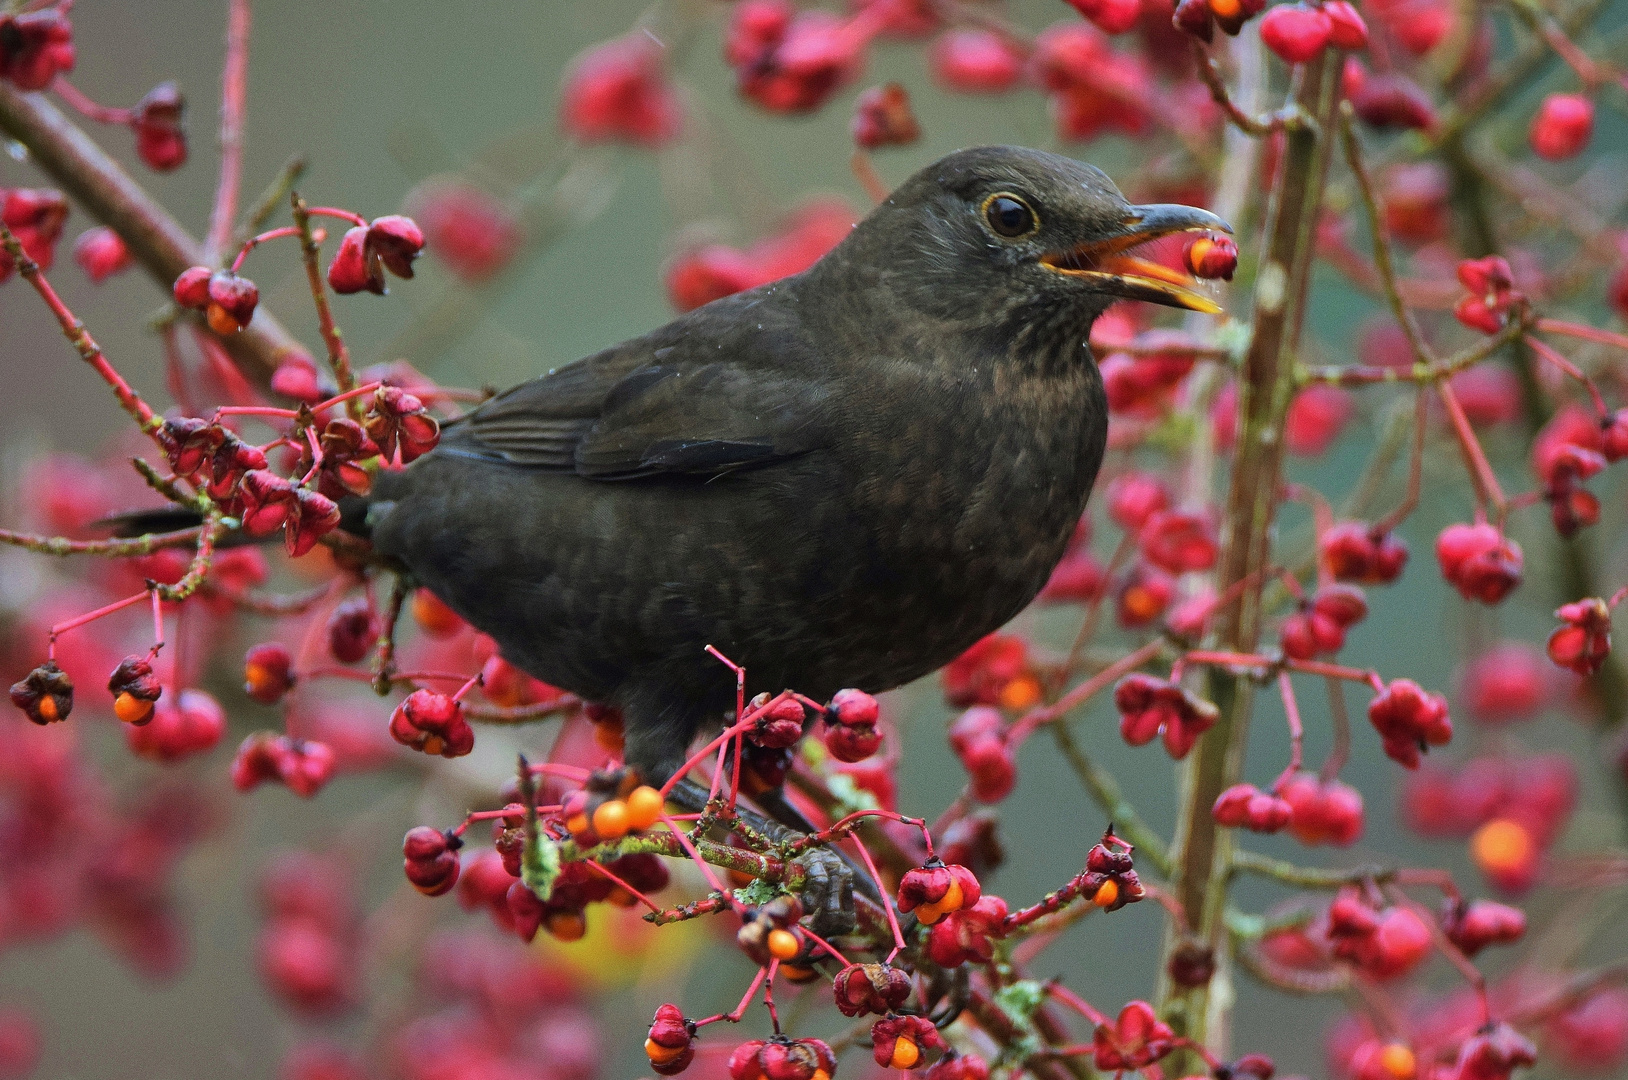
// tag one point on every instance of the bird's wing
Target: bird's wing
(646, 408)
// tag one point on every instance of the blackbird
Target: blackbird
(840, 479)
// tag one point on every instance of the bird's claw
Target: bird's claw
(828, 892)
(828, 879)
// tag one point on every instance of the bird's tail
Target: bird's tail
(163, 519)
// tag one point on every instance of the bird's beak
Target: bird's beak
(1112, 271)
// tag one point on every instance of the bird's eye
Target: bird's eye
(1009, 215)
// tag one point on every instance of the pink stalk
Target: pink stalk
(740, 1010)
(887, 901)
(91, 616)
(827, 946)
(619, 883)
(1587, 333)
(255, 241)
(233, 105)
(1297, 730)
(1481, 475)
(1548, 353)
(75, 332)
(706, 868)
(1068, 998)
(81, 103)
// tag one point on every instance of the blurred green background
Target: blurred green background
(377, 95)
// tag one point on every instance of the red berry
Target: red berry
(883, 117)
(193, 724)
(352, 629)
(1111, 16)
(619, 91)
(1149, 706)
(1479, 561)
(852, 743)
(1296, 32)
(1474, 926)
(1416, 210)
(975, 61)
(1347, 30)
(1316, 417)
(870, 988)
(192, 287)
(1247, 806)
(35, 46)
(1179, 541)
(1583, 642)
(1134, 497)
(1410, 720)
(100, 253)
(473, 233)
(430, 859)
(433, 723)
(1390, 100)
(1562, 126)
(992, 767)
(304, 766)
(853, 708)
(1211, 257)
(1322, 812)
(1591, 1036)
(231, 301)
(159, 123)
(1505, 683)
(1136, 1039)
(1353, 553)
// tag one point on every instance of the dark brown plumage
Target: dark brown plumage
(844, 478)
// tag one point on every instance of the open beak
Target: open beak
(1113, 271)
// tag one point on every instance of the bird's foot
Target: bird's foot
(827, 894)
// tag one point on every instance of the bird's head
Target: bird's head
(996, 233)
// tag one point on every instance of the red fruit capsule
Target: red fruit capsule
(618, 91)
(1110, 16)
(1562, 126)
(352, 629)
(1410, 720)
(1296, 32)
(35, 46)
(1391, 100)
(1322, 812)
(1134, 497)
(433, 723)
(975, 61)
(1211, 257)
(670, 1043)
(883, 117)
(100, 253)
(192, 287)
(231, 301)
(430, 859)
(351, 270)
(1347, 30)
(159, 123)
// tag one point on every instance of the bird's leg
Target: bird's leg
(829, 879)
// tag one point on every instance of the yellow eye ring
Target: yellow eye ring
(1010, 216)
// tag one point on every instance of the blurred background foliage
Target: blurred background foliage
(377, 95)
